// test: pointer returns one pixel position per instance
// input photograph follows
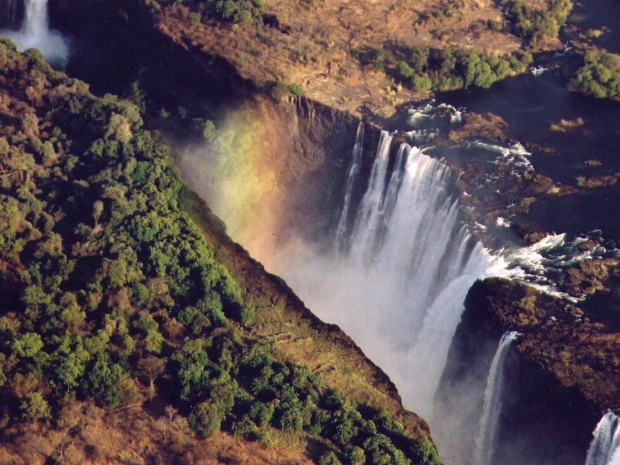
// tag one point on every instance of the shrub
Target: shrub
(35, 407)
(283, 90)
(330, 458)
(355, 455)
(246, 429)
(425, 452)
(262, 413)
(205, 420)
(194, 19)
(599, 76)
(245, 12)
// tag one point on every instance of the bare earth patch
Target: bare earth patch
(310, 45)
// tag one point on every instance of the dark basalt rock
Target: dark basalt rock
(562, 374)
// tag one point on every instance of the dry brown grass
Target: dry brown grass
(93, 436)
(311, 46)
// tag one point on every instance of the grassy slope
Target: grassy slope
(301, 336)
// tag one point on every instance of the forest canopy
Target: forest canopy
(112, 295)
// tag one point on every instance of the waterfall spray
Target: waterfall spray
(605, 447)
(405, 272)
(35, 33)
(493, 399)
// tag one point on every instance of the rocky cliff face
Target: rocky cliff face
(562, 372)
(305, 142)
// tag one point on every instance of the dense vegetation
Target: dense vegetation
(441, 70)
(599, 76)
(536, 25)
(112, 295)
(245, 12)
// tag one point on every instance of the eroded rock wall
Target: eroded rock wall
(555, 395)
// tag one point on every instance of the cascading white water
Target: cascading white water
(401, 262)
(368, 219)
(605, 447)
(35, 33)
(36, 23)
(493, 399)
(429, 255)
(405, 272)
(418, 262)
(352, 175)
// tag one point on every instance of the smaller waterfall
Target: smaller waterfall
(36, 24)
(35, 33)
(605, 447)
(352, 175)
(489, 421)
(364, 235)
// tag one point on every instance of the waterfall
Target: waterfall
(399, 262)
(352, 175)
(398, 286)
(406, 271)
(605, 447)
(35, 33)
(368, 218)
(489, 420)
(36, 22)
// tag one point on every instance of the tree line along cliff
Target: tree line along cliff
(114, 299)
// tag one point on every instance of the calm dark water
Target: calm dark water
(531, 105)
(596, 14)
(595, 209)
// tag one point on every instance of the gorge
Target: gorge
(382, 257)
(391, 246)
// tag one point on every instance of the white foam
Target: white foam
(35, 33)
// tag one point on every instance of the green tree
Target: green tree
(27, 345)
(329, 458)
(355, 455)
(35, 407)
(151, 368)
(205, 420)
(262, 413)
